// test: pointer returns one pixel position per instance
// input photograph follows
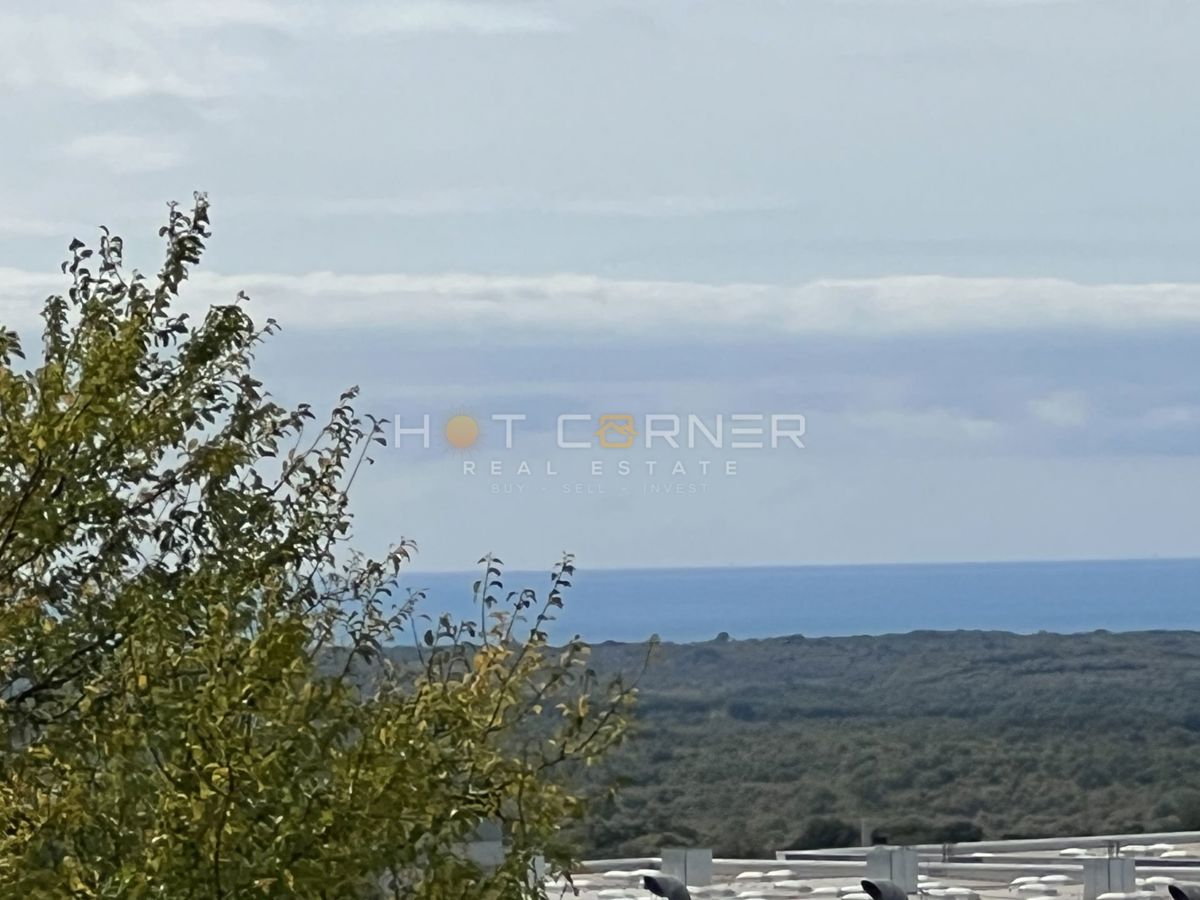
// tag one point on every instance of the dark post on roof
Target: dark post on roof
(1184, 891)
(889, 890)
(671, 888)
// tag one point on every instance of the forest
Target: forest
(750, 746)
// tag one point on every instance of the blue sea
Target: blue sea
(696, 604)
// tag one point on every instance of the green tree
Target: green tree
(195, 696)
(825, 832)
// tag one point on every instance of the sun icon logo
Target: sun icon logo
(462, 432)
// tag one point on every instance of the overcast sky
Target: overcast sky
(962, 238)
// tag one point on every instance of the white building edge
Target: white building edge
(1100, 867)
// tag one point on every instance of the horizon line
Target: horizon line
(709, 567)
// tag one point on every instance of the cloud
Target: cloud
(184, 15)
(1063, 409)
(589, 306)
(587, 309)
(499, 201)
(28, 226)
(422, 203)
(136, 49)
(21, 296)
(1170, 417)
(124, 154)
(928, 426)
(133, 51)
(449, 16)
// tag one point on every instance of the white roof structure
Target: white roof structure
(1014, 870)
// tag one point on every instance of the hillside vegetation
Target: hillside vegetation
(751, 746)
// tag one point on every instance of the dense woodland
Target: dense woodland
(751, 746)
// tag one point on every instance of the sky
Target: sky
(960, 238)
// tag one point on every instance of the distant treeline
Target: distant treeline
(754, 746)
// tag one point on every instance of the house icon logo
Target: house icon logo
(616, 431)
